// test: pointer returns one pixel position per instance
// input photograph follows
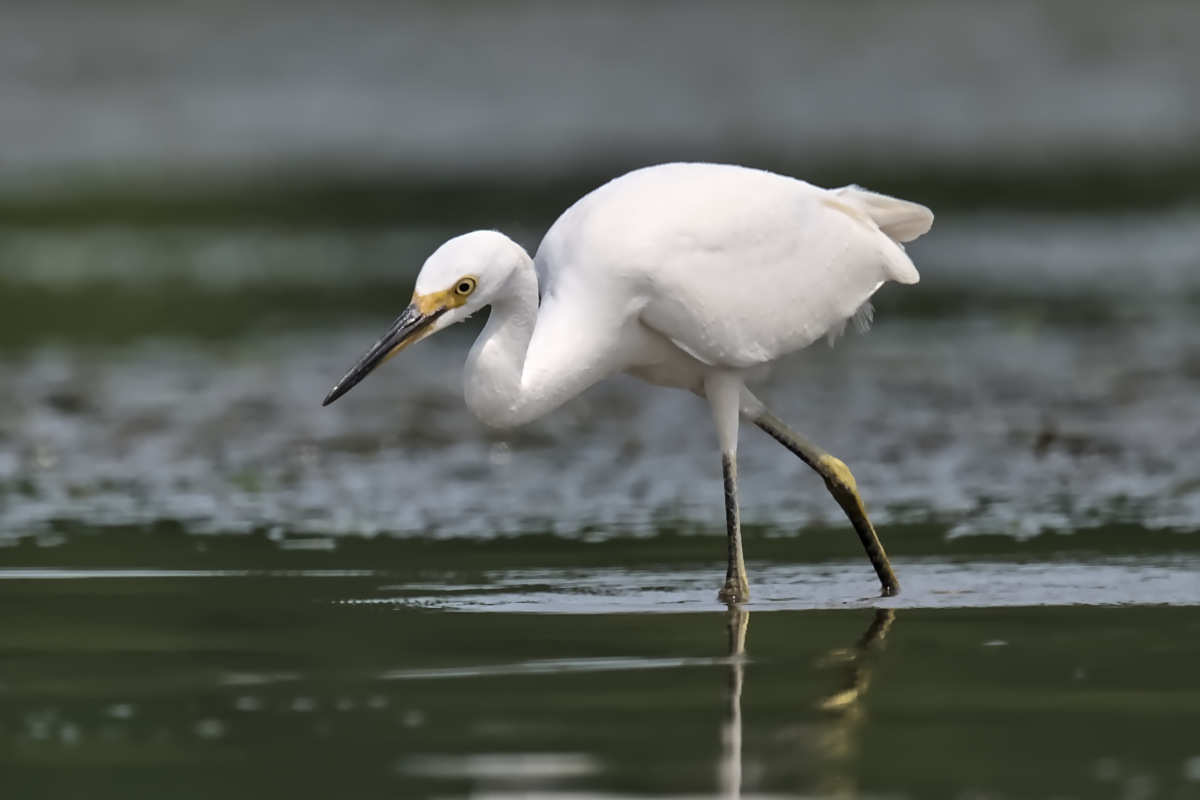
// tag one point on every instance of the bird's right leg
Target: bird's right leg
(723, 391)
(838, 480)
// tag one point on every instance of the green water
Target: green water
(210, 586)
(152, 663)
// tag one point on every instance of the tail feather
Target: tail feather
(901, 220)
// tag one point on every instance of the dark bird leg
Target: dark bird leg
(838, 480)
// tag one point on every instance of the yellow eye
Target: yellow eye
(465, 287)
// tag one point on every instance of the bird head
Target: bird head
(461, 277)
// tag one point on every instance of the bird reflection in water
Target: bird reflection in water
(831, 743)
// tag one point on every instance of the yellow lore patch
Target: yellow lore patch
(447, 298)
(427, 304)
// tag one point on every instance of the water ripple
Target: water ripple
(927, 584)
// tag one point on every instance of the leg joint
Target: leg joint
(836, 474)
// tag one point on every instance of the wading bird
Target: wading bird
(693, 276)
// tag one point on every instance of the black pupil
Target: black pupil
(464, 287)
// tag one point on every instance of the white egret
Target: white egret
(693, 276)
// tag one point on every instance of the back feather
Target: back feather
(901, 220)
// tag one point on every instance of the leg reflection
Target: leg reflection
(835, 744)
(830, 741)
(729, 770)
(855, 675)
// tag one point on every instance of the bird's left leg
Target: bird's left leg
(723, 391)
(838, 480)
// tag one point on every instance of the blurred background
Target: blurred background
(208, 210)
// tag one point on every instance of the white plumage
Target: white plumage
(738, 267)
(695, 276)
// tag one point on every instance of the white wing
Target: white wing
(737, 266)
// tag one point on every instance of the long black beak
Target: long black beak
(407, 329)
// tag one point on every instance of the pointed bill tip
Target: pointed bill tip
(410, 326)
(352, 379)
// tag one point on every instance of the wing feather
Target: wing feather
(738, 267)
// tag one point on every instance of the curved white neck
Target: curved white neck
(529, 360)
(492, 379)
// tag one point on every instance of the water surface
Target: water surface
(209, 585)
(258, 671)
